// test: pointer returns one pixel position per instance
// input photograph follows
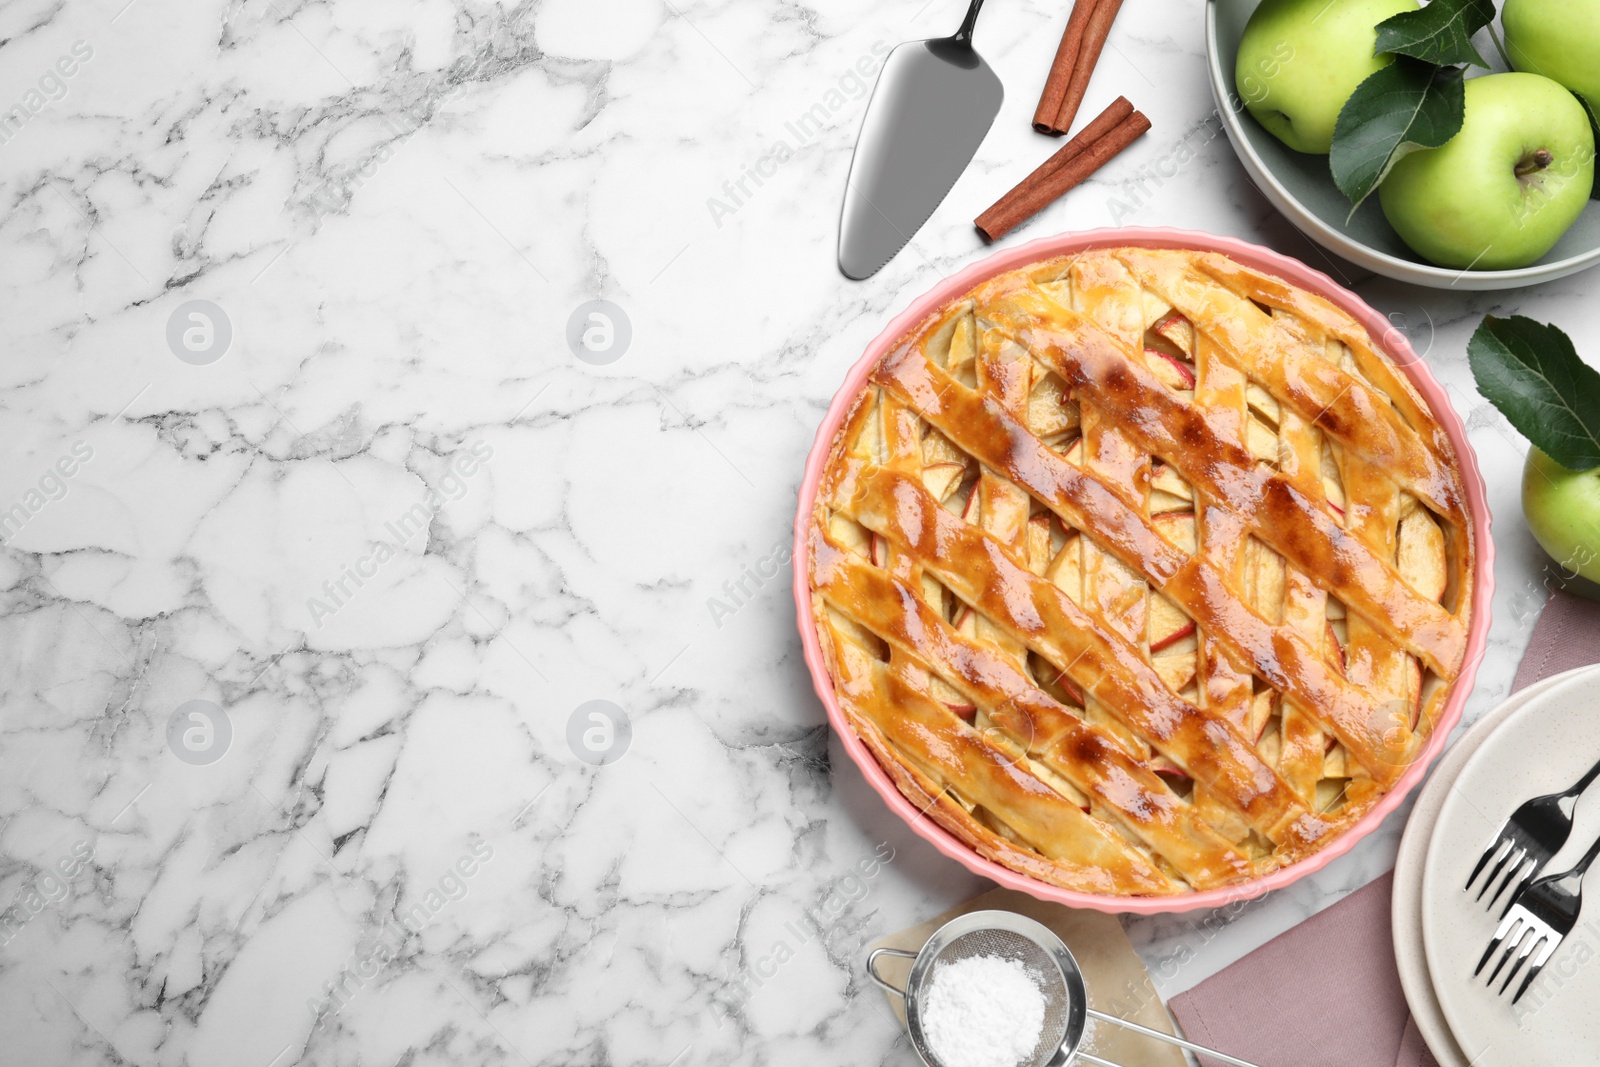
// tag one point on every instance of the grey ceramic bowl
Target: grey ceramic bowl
(1299, 186)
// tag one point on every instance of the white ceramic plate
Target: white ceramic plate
(1541, 747)
(1407, 910)
(1300, 186)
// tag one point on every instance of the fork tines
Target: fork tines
(1537, 941)
(1518, 860)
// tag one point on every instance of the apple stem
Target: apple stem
(1534, 163)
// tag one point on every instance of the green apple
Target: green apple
(1299, 61)
(1505, 188)
(1559, 39)
(1563, 511)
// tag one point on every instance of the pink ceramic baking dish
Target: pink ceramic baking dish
(1398, 348)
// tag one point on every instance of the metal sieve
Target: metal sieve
(1015, 937)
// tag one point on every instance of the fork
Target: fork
(1535, 832)
(1541, 916)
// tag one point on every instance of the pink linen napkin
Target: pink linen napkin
(1341, 960)
(1567, 635)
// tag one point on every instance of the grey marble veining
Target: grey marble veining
(299, 634)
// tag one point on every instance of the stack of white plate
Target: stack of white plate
(1540, 741)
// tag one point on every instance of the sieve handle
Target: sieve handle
(872, 967)
(1168, 1038)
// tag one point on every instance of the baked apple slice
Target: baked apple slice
(1178, 528)
(1176, 671)
(1049, 407)
(1420, 555)
(1168, 625)
(1170, 772)
(1039, 543)
(1335, 649)
(1163, 479)
(942, 479)
(1177, 330)
(1172, 371)
(1262, 705)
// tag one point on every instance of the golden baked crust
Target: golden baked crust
(1141, 571)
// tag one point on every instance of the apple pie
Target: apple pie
(1141, 571)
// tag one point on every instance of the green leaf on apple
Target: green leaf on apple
(1439, 33)
(1405, 106)
(1594, 128)
(1531, 372)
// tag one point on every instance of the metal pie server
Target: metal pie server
(932, 106)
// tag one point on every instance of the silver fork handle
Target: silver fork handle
(1159, 1036)
(1582, 866)
(872, 967)
(1582, 784)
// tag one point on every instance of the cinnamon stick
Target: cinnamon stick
(1113, 129)
(1055, 85)
(1011, 208)
(1095, 32)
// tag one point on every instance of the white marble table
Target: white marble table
(371, 511)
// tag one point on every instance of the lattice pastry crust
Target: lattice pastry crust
(1141, 571)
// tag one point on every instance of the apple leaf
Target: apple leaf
(1439, 33)
(1594, 128)
(1405, 106)
(1531, 372)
